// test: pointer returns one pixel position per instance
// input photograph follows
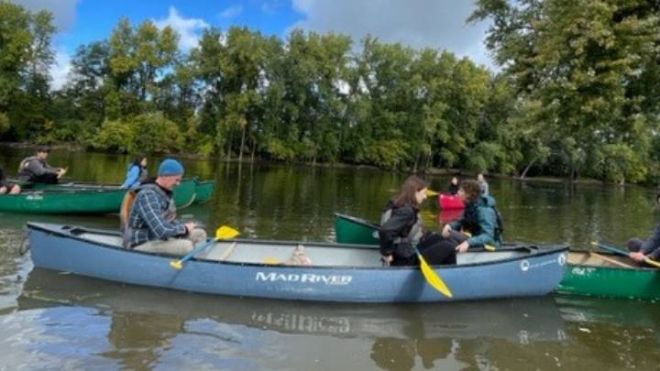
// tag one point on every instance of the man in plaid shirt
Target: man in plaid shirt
(151, 223)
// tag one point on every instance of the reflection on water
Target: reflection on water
(143, 325)
(144, 328)
(56, 320)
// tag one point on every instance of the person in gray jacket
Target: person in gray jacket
(650, 248)
(483, 185)
(35, 169)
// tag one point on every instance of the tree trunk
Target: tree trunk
(529, 166)
(428, 161)
(228, 148)
(240, 153)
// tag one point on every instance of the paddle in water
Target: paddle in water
(432, 277)
(622, 252)
(222, 233)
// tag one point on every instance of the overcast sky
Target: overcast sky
(418, 23)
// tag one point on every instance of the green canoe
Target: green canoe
(46, 201)
(204, 190)
(588, 273)
(80, 198)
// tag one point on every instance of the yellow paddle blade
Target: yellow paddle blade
(430, 193)
(433, 278)
(225, 233)
(489, 247)
(176, 264)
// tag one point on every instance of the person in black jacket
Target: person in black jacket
(6, 187)
(401, 229)
(453, 186)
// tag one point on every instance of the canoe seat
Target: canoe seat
(221, 251)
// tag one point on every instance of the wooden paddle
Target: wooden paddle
(433, 278)
(222, 233)
(622, 252)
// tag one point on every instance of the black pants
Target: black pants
(46, 178)
(438, 250)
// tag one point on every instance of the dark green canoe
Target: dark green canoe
(588, 273)
(99, 201)
(608, 275)
(352, 230)
(80, 198)
(204, 190)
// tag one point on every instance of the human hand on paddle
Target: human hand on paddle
(61, 171)
(637, 256)
(222, 233)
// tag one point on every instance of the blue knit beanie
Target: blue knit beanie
(170, 167)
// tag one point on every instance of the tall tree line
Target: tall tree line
(577, 94)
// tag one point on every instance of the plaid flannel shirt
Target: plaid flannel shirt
(152, 217)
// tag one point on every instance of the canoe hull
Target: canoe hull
(579, 279)
(533, 274)
(355, 231)
(63, 202)
(622, 283)
(204, 190)
(81, 199)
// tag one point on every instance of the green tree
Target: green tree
(592, 68)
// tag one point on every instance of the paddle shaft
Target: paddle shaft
(619, 251)
(197, 250)
(612, 249)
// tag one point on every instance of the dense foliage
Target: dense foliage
(578, 93)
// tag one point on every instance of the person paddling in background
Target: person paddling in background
(641, 250)
(137, 173)
(401, 229)
(35, 169)
(152, 224)
(480, 219)
(453, 186)
(6, 187)
(483, 185)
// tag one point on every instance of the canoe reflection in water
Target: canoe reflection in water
(146, 322)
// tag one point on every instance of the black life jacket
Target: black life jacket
(414, 232)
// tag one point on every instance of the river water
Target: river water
(50, 320)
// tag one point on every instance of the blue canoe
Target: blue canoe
(266, 269)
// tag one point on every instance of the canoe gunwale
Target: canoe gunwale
(589, 265)
(532, 251)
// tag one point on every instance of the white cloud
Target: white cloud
(188, 28)
(417, 23)
(64, 11)
(232, 12)
(59, 71)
